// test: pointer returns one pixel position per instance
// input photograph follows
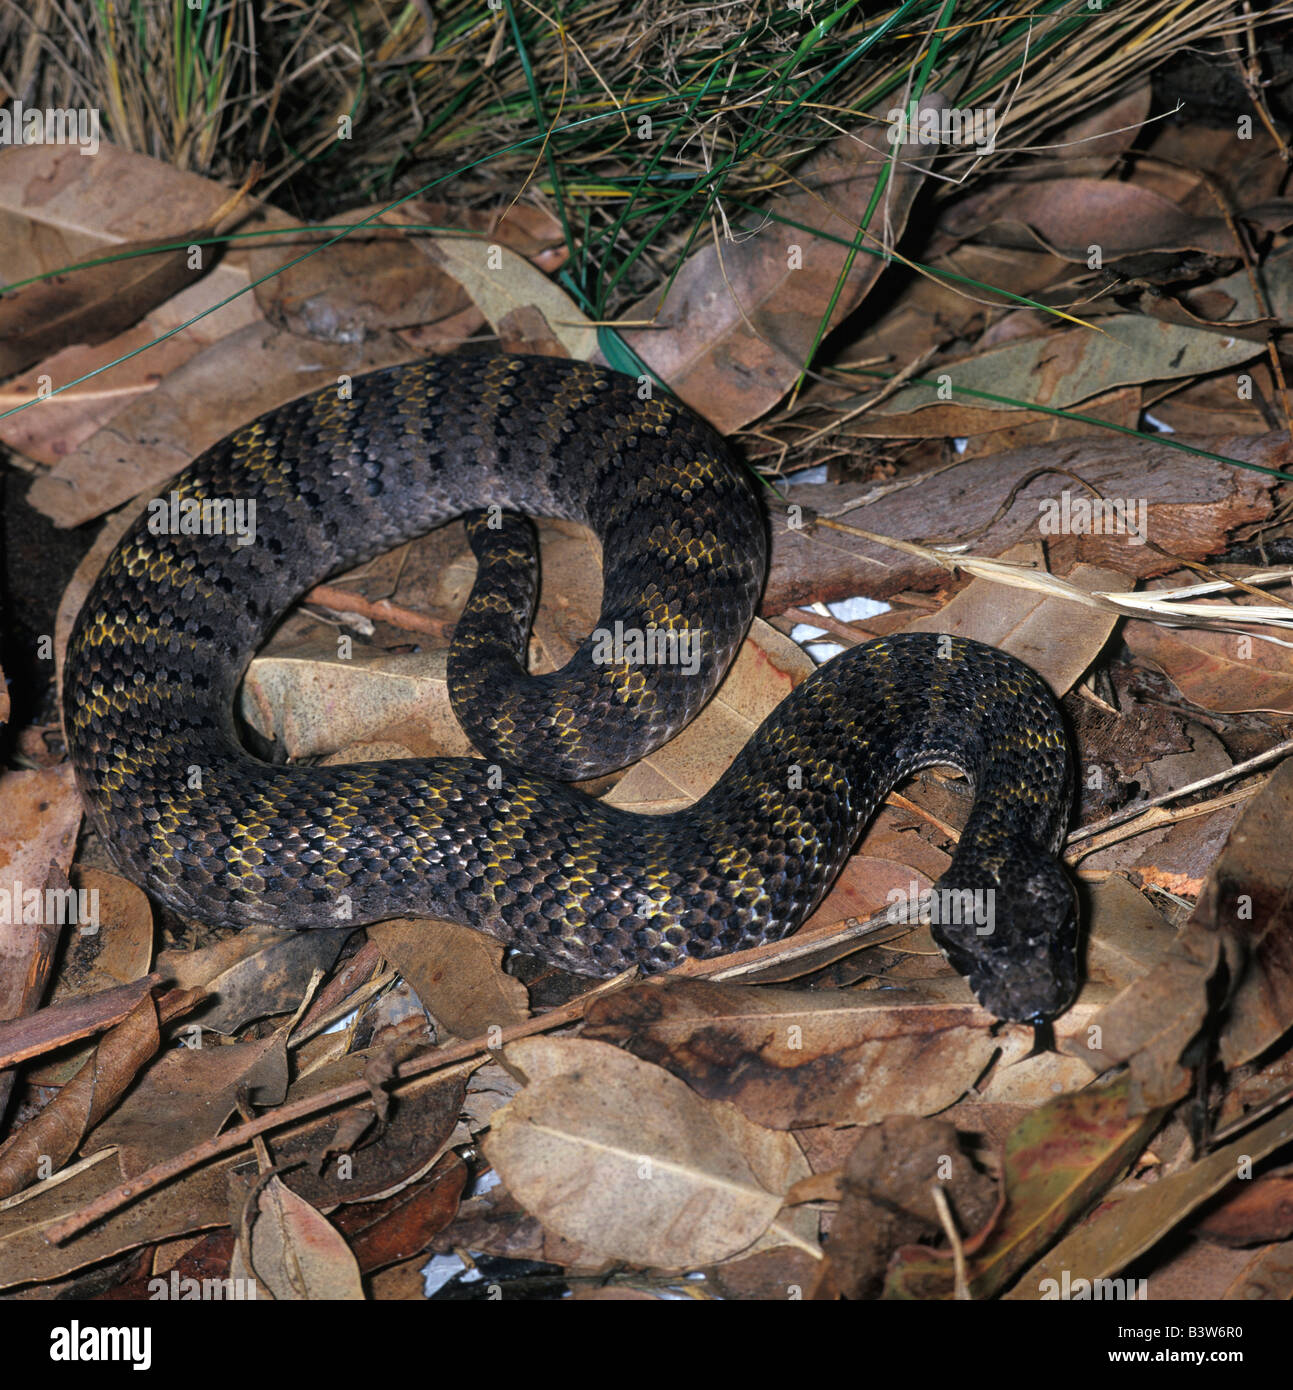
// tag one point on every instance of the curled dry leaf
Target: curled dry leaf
(55, 1025)
(295, 1251)
(1268, 1277)
(1058, 1160)
(495, 1223)
(47, 1141)
(252, 974)
(1238, 943)
(626, 1161)
(398, 1227)
(886, 1201)
(112, 945)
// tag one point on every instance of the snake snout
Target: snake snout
(1022, 963)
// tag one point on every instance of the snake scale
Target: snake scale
(504, 844)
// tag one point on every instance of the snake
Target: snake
(508, 842)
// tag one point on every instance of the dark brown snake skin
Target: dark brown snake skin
(167, 631)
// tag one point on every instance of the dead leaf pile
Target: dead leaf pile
(1047, 410)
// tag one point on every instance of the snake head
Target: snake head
(1019, 948)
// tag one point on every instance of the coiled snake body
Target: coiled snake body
(165, 635)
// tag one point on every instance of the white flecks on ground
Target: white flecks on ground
(440, 1269)
(809, 475)
(849, 610)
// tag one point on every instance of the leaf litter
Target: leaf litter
(845, 1122)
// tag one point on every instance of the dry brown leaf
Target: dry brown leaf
(625, 1160)
(254, 973)
(40, 813)
(456, 972)
(924, 312)
(1256, 1211)
(1190, 513)
(115, 948)
(1059, 640)
(1137, 1221)
(1226, 672)
(47, 1141)
(62, 208)
(793, 1058)
(501, 283)
(186, 1096)
(389, 1229)
(1070, 215)
(495, 1223)
(886, 1201)
(377, 278)
(90, 303)
(56, 1025)
(1126, 936)
(296, 1253)
(418, 1126)
(229, 383)
(742, 315)
(1268, 1277)
(1058, 1160)
(1238, 939)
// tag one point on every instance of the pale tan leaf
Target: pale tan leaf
(457, 974)
(625, 1160)
(1059, 640)
(312, 701)
(296, 1252)
(515, 285)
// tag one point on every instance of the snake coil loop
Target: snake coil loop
(505, 845)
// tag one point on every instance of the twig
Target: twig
(380, 610)
(125, 1193)
(1128, 813)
